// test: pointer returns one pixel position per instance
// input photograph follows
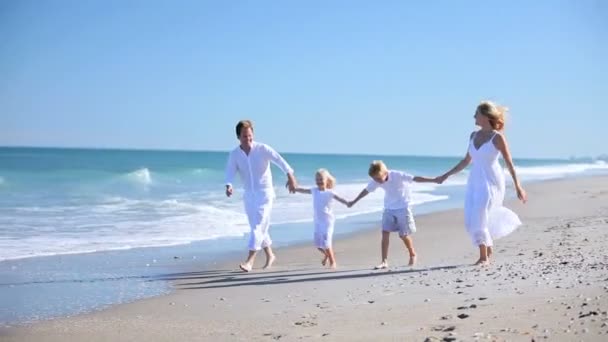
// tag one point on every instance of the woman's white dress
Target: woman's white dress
(485, 217)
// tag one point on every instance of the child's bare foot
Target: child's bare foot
(382, 266)
(482, 262)
(245, 267)
(324, 261)
(412, 260)
(489, 252)
(269, 261)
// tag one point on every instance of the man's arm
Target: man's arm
(279, 161)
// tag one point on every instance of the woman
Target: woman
(485, 217)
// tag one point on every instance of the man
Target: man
(252, 161)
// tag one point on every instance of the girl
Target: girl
(485, 217)
(322, 197)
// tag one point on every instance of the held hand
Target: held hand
(350, 204)
(291, 185)
(440, 179)
(521, 194)
(228, 191)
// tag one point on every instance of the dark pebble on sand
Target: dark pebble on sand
(590, 313)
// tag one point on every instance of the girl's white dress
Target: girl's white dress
(324, 217)
(485, 217)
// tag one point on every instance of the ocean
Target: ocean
(97, 227)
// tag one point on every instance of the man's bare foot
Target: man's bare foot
(246, 267)
(324, 261)
(382, 266)
(412, 260)
(482, 262)
(269, 261)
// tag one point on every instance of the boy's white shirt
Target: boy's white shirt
(254, 169)
(397, 189)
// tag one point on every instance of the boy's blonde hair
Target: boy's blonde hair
(376, 167)
(495, 113)
(330, 181)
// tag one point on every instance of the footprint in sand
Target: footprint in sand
(444, 328)
(274, 336)
(305, 323)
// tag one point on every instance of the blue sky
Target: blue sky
(387, 77)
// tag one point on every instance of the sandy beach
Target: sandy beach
(548, 281)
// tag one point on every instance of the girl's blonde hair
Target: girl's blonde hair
(330, 181)
(495, 114)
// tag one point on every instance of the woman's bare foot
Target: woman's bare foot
(333, 266)
(269, 261)
(324, 261)
(412, 260)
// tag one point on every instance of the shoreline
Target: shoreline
(532, 276)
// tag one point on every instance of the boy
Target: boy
(397, 216)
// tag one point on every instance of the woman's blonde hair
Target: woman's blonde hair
(495, 114)
(376, 167)
(330, 181)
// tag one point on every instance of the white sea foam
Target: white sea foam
(122, 225)
(140, 176)
(559, 170)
